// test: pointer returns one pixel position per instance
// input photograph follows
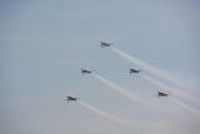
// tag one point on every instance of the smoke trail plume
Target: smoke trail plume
(155, 72)
(165, 87)
(119, 89)
(185, 107)
(124, 92)
(146, 67)
(105, 114)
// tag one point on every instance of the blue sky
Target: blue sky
(44, 43)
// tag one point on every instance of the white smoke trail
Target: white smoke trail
(156, 72)
(105, 114)
(146, 67)
(185, 107)
(124, 92)
(167, 88)
(119, 89)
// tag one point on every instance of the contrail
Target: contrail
(118, 89)
(174, 91)
(146, 67)
(167, 88)
(156, 72)
(105, 114)
(184, 106)
(123, 91)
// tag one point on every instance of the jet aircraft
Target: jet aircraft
(70, 98)
(162, 94)
(134, 71)
(105, 44)
(85, 71)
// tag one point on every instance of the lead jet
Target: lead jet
(162, 94)
(104, 44)
(134, 71)
(85, 71)
(70, 98)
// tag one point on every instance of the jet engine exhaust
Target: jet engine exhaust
(145, 67)
(185, 107)
(150, 70)
(124, 92)
(163, 86)
(105, 114)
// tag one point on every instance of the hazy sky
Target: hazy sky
(43, 44)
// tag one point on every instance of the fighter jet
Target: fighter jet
(134, 71)
(104, 44)
(70, 98)
(85, 71)
(162, 94)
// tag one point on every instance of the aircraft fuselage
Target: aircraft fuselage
(104, 44)
(161, 94)
(134, 71)
(86, 72)
(69, 98)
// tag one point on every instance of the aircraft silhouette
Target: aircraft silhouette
(104, 44)
(162, 94)
(134, 71)
(70, 98)
(85, 71)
